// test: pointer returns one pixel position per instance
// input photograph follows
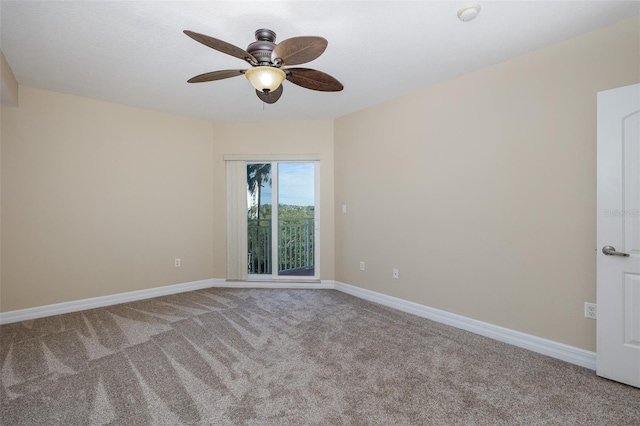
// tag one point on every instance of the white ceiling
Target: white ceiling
(134, 52)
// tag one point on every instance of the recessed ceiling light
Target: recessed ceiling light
(469, 12)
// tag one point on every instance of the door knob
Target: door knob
(611, 251)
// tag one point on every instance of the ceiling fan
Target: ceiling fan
(267, 59)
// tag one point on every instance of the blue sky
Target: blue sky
(296, 185)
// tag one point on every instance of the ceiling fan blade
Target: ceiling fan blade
(298, 50)
(222, 46)
(313, 79)
(271, 97)
(215, 75)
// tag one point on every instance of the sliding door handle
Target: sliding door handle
(611, 251)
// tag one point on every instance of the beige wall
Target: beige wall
(290, 137)
(99, 199)
(8, 97)
(8, 83)
(481, 190)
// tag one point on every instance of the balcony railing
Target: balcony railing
(295, 246)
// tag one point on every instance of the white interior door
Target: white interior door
(618, 234)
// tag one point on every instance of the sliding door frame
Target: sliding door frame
(241, 261)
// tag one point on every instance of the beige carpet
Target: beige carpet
(285, 357)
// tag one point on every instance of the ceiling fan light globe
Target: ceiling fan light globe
(265, 79)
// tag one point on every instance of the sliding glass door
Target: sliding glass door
(282, 220)
(259, 202)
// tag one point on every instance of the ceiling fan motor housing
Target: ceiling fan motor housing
(263, 46)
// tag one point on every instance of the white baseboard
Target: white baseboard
(132, 296)
(550, 348)
(98, 302)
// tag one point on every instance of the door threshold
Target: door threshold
(278, 281)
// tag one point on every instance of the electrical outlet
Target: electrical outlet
(395, 273)
(344, 208)
(177, 263)
(590, 310)
(362, 265)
